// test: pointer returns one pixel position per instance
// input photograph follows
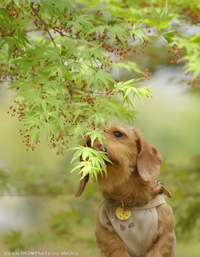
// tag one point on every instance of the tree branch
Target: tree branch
(46, 28)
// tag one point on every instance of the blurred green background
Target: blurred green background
(41, 212)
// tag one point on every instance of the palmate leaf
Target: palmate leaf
(93, 161)
(118, 31)
(136, 32)
(96, 134)
(142, 92)
(193, 65)
(96, 76)
(129, 91)
(169, 36)
(116, 9)
(48, 9)
(130, 66)
(103, 77)
(160, 17)
(63, 5)
(93, 55)
(114, 108)
(84, 21)
(115, 30)
(125, 87)
(192, 59)
(67, 48)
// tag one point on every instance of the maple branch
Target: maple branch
(47, 30)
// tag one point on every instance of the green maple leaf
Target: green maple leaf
(159, 17)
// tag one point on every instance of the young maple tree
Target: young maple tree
(61, 58)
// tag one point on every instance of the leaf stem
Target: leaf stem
(46, 28)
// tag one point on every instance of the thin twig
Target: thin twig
(46, 27)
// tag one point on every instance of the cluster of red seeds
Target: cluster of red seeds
(174, 53)
(193, 83)
(4, 73)
(19, 110)
(14, 12)
(148, 73)
(58, 26)
(124, 54)
(59, 142)
(191, 16)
